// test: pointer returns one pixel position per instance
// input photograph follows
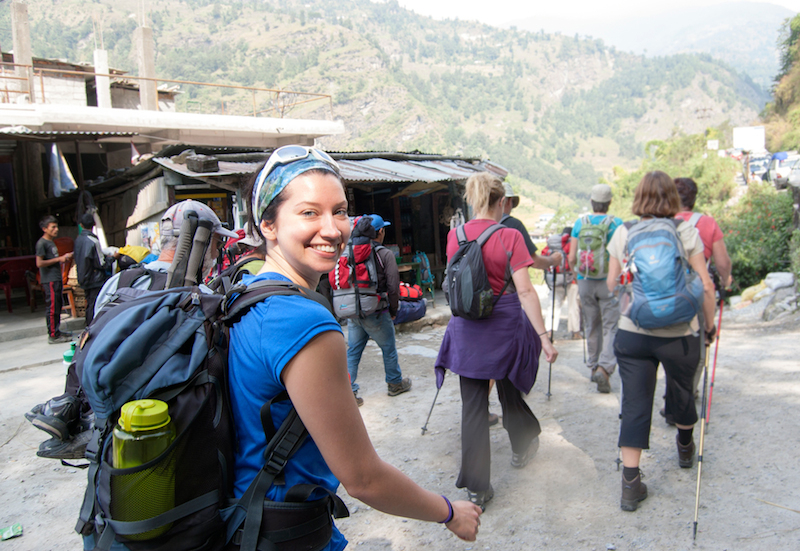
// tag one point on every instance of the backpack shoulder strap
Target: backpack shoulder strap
(608, 220)
(461, 235)
(241, 298)
(695, 218)
(129, 276)
(504, 218)
(487, 233)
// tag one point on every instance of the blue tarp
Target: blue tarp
(780, 155)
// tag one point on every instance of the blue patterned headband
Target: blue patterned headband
(273, 178)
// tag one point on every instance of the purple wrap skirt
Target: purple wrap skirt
(502, 345)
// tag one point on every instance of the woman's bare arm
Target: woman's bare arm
(318, 384)
(529, 300)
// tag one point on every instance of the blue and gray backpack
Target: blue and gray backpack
(665, 290)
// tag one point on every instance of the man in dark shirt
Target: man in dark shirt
(92, 265)
(49, 263)
(378, 325)
(539, 262)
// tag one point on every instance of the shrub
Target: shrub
(757, 233)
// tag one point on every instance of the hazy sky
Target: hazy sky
(498, 12)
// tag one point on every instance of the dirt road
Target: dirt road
(566, 498)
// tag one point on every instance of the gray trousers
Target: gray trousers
(600, 319)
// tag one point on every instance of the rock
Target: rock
(779, 280)
(763, 294)
(783, 300)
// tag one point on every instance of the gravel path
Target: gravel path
(566, 498)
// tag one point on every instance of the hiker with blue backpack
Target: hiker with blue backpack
(497, 332)
(588, 257)
(290, 346)
(658, 269)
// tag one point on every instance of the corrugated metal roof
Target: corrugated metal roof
(226, 168)
(22, 131)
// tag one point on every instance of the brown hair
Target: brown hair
(656, 196)
(687, 190)
(483, 190)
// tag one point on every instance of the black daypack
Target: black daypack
(467, 286)
(172, 346)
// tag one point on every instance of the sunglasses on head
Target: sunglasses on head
(291, 153)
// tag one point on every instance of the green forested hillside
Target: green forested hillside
(558, 111)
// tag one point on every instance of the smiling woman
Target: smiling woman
(289, 345)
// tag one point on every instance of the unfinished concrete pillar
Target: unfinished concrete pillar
(146, 60)
(103, 84)
(21, 37)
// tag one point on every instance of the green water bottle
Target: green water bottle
(144, 432)
(69, 354)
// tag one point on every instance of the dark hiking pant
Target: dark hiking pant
(53, 300)
(638, 357)
(518, 420)
(91, 298)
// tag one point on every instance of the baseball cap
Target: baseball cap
(173, 219)
(601, 193)
(378, 222)
(511, 195)
(251, 240)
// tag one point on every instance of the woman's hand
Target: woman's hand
(466, 519)
(550, 352)
(711, 333)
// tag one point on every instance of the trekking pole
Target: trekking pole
(552, 328)
(425, 427)
(716, 351)
(702, 441)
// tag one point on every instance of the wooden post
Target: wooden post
(398, 224)
(436, 235)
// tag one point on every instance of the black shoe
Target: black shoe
(600, 376)
(633, 491)
(685, 454)
(57, 417)
(481, 498)
(493, 419)
(519, 460)
(59, 339)
(399, 388)
(73, 448)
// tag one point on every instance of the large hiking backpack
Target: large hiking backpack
(592, 253)
(562, 276)
(665, 290)
(354, 281)
(172, 346)
(466, 283)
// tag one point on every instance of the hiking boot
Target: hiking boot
(481, 498)
(56, 416)
(58, 339)
(633, 491)
(519, 460)
(600, 377)
(493, 419)
(399, 388)
(685, 454)
(74, 448)
(359, 399)
(667, 418)
(576, 336)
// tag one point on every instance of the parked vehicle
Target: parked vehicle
(780, 167)
(794, 176)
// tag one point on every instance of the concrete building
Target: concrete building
(104, 121)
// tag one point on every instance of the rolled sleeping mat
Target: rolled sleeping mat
(177, 270)
(202, 237)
